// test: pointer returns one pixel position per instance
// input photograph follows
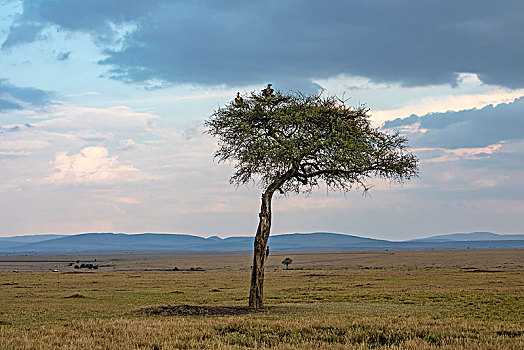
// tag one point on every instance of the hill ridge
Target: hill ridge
(327, 241)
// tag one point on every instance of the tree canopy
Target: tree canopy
(286, 262)
(302, 140)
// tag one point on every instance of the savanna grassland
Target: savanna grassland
(394, 300)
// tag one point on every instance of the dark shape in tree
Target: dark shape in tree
(292, 143)
(286, 262)
(238, 99)
(268, 92)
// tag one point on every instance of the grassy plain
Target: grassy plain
(394, 300)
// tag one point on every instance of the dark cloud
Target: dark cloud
(63, 56)
(468, 128)
(11, 129)
(22, 34)
(412, 119)
(510, 159)
(98, 17)
(6, 105)
(15, 98)
(292, 42)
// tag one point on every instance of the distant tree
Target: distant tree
(291, 143)
(286, 262)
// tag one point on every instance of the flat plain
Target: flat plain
(392, 300)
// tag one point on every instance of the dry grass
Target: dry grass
(450, 300)
(481, 259)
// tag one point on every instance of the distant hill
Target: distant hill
(117, 241)
(12, 243)
(154, 242)
(320, 241)
(182, 243)
(29, 238)
(473, 236)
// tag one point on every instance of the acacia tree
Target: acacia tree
(291, 143)
(286, 262)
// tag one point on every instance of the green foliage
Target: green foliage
(297, 141)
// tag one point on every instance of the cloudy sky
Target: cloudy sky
(102, 103)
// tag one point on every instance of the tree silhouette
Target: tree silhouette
(286, 262)
(291, 143)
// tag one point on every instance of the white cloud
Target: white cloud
(127, 144)
(117, 119)
(457, 154)
(70, 127)
(15, 146)
(83, 93)
(443, 104)
(91, 165)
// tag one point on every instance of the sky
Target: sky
(102, 106)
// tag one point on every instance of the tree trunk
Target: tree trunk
(256, 292)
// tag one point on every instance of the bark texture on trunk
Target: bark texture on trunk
(256, 291)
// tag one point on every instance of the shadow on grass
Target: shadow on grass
(75, 296)
(195, 310)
